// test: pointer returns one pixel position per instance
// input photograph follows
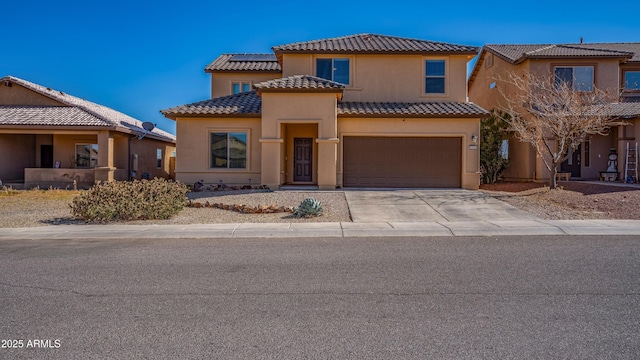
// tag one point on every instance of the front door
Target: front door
(302, 155)
(46, 156)
(573, 163)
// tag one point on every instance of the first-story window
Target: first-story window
(239, 87)
(434, 77)
(86, 156)
(229, 150)
(159, 158)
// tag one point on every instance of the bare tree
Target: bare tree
(554, 117)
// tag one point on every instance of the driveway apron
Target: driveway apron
(428, 205)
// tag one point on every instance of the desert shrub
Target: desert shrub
(135, 200)
(307, 208)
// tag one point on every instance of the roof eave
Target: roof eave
(175, 116)
(429, 116)
(274, 71)
(279, 53)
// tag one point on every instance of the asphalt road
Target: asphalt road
(389, 298)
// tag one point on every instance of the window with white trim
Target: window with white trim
(334, 69)
(435, 76)
(228, 150)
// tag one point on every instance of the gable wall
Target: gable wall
(19, 95)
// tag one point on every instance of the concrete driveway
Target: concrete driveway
(429, 205)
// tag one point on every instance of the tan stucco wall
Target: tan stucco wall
(221, 82)
(64, 147)
(18, 95)
(319, 109)
(397, 78)
(146, 149)
(16, 153)
(193, 150)
(462, 128)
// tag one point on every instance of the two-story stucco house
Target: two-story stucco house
(51, 138)
(614, 67)
(357, 111)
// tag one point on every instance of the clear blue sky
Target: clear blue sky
(139, 57)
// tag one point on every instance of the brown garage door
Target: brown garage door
(401, 162)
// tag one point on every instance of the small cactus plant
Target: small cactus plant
(308, 207)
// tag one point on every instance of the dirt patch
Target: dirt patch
(573, 200)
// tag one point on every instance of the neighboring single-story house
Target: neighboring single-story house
(50, 138)
(364, 110)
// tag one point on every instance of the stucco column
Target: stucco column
(327, 163)
(270, 164)
(105, 169)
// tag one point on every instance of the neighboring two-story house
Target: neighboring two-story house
(614, 67)
(51, 138)
(357, 111)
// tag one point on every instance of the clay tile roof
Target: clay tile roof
(519, 53)
(299, 82)
(373, 43)
(424, 109)
(622, 110)
(95, 114)
(48, 116)
(242, 104)
(245, 62)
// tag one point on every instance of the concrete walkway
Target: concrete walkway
(335, 229)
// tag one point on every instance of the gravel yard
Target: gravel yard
(27, 208)
(575, 200)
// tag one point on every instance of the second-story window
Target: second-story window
(238, 87)
(632, 80)
(578, 78)
(434, 77)
(333, 69)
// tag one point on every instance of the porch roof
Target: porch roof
(94, 112)
(249, 104)
(299, 83)
(242, 104)
(622, 109)
(420, 109)
(48, 116)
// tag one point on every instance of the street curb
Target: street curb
(332, 230)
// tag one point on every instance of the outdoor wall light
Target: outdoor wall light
(474, 138)
(7, 83)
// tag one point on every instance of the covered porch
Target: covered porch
(62, 159)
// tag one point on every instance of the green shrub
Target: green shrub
(308, 207)
(135, 200)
